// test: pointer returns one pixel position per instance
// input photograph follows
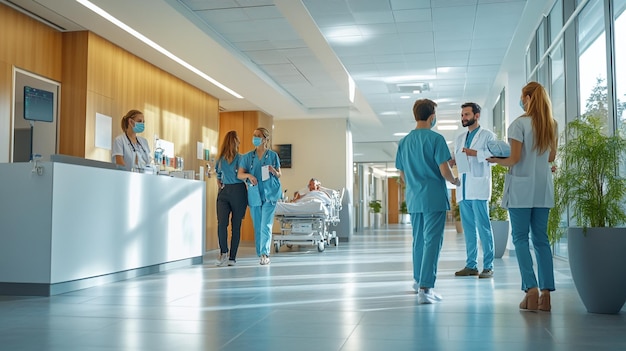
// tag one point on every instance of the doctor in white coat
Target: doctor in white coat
(475, 191)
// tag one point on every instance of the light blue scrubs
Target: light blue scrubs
(475, 217)
(419, 155)
(270, 190)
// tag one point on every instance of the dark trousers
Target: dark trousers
(232, 201)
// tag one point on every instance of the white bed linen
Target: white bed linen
(312, 207)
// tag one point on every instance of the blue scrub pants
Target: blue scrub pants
(535, 219)
(262, 220)
(475, 217)
(428, 230)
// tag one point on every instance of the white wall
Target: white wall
(318, 150)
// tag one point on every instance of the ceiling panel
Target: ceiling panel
(297, 47)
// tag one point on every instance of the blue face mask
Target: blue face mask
(521, 104)
(256, 141)
(139, 127)
(433, 122)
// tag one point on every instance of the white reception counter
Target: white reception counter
(75, 226)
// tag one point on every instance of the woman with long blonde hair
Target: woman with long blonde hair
(529, 192)
(232, 199)
(260, 168)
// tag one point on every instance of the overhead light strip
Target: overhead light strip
(155, 46)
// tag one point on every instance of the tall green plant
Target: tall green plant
(586, 177)
(375, 206)
(496, 212)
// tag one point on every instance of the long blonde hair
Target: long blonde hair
(230, 147)
(540, 110)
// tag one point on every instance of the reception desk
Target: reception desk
(65, 227)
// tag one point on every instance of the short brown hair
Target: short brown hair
(423, 108)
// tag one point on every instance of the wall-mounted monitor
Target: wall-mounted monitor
(38, 104)
(284, 154)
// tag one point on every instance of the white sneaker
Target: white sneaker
(232, 262)
(428, 296)
(222, 261)
(416, 287)
(265, 260)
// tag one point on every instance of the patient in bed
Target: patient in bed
(313, 192)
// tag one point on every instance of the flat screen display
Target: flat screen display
(38, 104)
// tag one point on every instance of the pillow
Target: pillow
(499, 148)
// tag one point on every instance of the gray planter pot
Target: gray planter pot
(597, 260)
(500, 231)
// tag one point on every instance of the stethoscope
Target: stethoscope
(133, 146)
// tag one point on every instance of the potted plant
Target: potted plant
(587, 182)
(499, 216)
(404, 213)
(375, 208)
(456, 212)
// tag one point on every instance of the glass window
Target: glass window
(555, 20)
(620, 68)
(557, 95)
(592, 60)
(541, 40)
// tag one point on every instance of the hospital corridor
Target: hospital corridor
(356, 296)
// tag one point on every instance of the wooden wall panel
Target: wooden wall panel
(393, 200)
(73, 94)
(28, 45)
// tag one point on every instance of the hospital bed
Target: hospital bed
(308, 221)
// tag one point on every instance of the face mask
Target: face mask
(521, 104)
(433, 122)
(138, 127)
(256, 141)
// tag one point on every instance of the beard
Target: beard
(468, 122)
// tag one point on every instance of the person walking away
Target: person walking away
(422, 160)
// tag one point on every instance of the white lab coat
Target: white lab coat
(478, 179)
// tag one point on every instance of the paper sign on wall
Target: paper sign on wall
(103, 131)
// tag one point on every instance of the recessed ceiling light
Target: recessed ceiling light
(400, 134)
(405, 97)
(447, 127)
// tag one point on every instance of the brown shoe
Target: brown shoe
(531, 300)
(466, 272)
(544, 301)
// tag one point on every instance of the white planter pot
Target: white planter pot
(500, 231)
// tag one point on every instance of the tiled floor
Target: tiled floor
(355, 297)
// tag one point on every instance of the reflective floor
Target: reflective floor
(357, 296)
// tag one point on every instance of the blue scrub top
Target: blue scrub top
(270, 189)
(227, 172)
(419, 155)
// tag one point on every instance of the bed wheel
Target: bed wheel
(320, 246)
(289, 246)
(276, 247)
(336, 241)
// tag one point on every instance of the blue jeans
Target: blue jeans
(262, 220)
(475, 217)
(536, 220)
(427, 239)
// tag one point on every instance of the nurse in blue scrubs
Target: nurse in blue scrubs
(422, 160)
(260, 169)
